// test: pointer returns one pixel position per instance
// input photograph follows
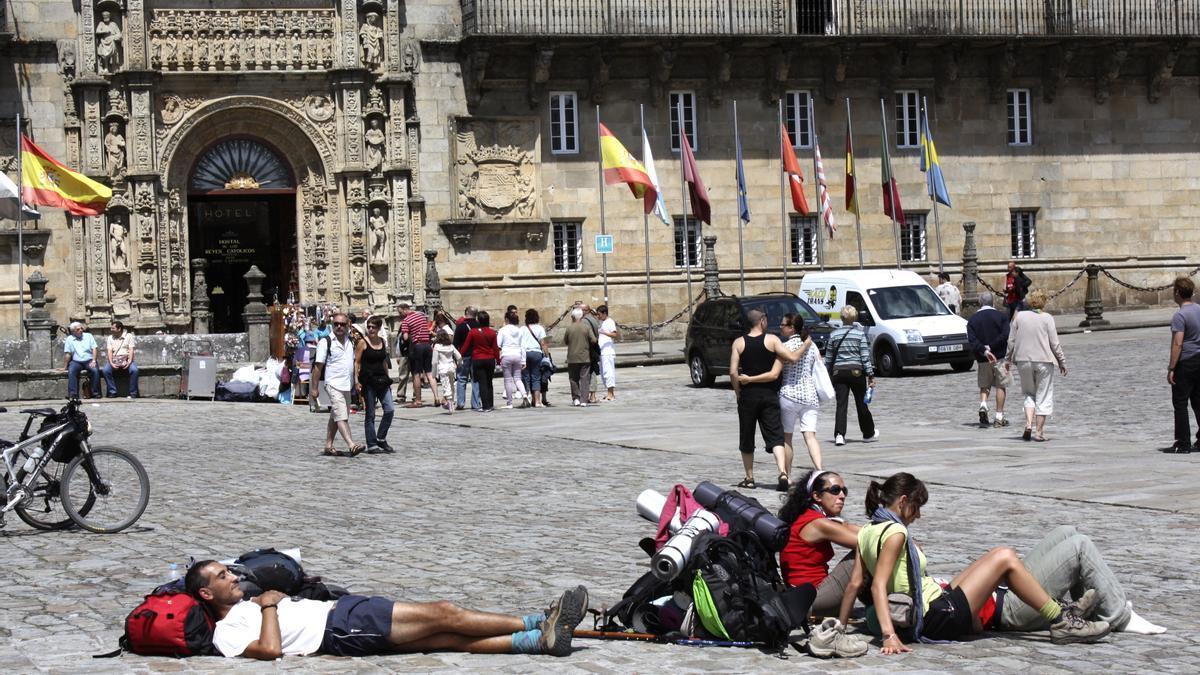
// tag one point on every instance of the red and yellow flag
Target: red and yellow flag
(795, 177)
(622, 167)
(46, 182)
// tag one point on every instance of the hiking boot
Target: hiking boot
(561, 619)
(830, 639)
(1084, 606)
(1070, 629)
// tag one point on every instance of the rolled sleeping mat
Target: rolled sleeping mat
(650, 505)
(673, 556)
(743, 513)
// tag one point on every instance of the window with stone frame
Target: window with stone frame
(797, 106)
(912, 237)
(687, 242)
(804, 240)
(1020, 117)
(564, 123)
(1023, 224)
(568, 246)
(908, 124)
(683, 102)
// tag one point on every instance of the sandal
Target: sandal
(330, 452)
(782, 486)
(747, 483)
(1040, 439)
(415, 404)
(357, 449)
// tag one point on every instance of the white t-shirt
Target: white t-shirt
(301, 626)
(120, 346)
(339, 363)
(605, 342)
(531, 336)
(509, 338)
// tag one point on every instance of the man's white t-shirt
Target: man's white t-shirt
(605, 342)
(301, 626)
(115, 345)
(339, 362)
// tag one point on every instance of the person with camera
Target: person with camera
(118, 351)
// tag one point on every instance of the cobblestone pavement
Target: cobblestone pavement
(501, 511)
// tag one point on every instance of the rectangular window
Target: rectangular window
(568, 246)
(687, 242)
(804, 240)
(564, 123)
(685, 100)
(912, 237)
(1024, 233)
(1019, 117)
(908, 108)
(796, 108)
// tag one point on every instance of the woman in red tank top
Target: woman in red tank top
(813, 510)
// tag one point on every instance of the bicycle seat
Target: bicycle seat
(40, 411)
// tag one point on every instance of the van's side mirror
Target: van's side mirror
(864, 317)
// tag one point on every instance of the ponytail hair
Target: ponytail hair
(898, 485)
(799, 499)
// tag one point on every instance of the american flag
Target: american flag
(823, 190)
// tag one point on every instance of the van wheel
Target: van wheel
(701, 377)
(887, 362)
(962, 366)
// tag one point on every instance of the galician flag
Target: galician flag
(622, 167)
(660, 207)
(891, 191)
(934, 181)
(10, 206)
(48, 183)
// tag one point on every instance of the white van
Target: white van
(907, 323)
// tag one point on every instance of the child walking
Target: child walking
(445, 364)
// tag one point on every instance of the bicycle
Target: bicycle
(54, 478)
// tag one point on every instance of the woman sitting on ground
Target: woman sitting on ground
(813, 510)
(949, 614)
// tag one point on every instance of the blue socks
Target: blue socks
(527, 641)
(533, 621)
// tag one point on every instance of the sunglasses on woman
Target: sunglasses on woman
(836, 490)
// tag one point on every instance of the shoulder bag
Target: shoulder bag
(820, 374)
(844, 371)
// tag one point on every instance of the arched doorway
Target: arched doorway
(242, 212)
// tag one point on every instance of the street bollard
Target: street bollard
(1093, 306)
(970, 289)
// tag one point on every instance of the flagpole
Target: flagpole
(646, 233)
(600, 175)
(783, 221)
(888, 187)
(683, 197)
(857, 221)
(20, 236)
(937, 223)
(812, 121)
(741, 224)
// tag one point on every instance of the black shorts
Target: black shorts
(761, 407)
(420, 358)
(358, 626)
(949, 617)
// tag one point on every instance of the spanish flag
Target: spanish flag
(622, 167)
(46, 182)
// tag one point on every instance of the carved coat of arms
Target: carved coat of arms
(496, 181)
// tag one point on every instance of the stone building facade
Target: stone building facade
(331, 142)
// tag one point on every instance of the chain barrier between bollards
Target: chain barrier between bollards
(1147, 289)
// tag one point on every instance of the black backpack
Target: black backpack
(635, 611)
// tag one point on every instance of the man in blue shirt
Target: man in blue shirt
(79, 353)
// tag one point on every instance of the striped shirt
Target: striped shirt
(416, 324)
(852, 348)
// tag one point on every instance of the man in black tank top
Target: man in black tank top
(754, 354)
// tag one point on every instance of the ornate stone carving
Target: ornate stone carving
(660, 72)
(242, 39)
(116, 104)
(1000, 70)
(1162, 66)
(375, 104)
(379, 236)
(114, 151)
(66, 60)
(496, 182)
(946, 71)
(319, 108)
(411, 63)
(118, 243)
(374, 140)
(539, 74)
(370, 35)
(474, 70)
(108, 44)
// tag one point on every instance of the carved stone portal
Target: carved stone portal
(497, 182)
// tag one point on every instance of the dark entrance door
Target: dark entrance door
(235, 232)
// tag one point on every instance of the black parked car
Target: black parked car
(717, 322)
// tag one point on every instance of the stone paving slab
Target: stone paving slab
(501, 511)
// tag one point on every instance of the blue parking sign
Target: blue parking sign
(604, 243)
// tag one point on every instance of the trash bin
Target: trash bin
(198, 377)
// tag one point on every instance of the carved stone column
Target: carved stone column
(1093, 305)
(348, 86)
(39, 326)
(970, 288)
(135, 34)
(91, 89)
(257, 317)
(87, 37)
(712, 280)
(433, 284)
(200, 311)
(139, 132)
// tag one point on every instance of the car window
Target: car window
(775, 308)
(729, 316)
(903, 302)
(855, 300)
(703, 314)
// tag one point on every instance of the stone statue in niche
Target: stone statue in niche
(108, 44)
(358, 278)
(374, 139)
(411, 61)
(114, 150)
(378, 236)
(117, 246)
(371, 37)
(66, 59)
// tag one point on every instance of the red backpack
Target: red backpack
(168, 624)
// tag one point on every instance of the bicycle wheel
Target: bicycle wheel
(114, 480)
(44, 509)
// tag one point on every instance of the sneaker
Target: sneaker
(1084, 606)
(872, 439)
(375, 450)
(563, 616)
(839, 439)
(385, 446)
(1000, 422)
(983, 416)
(584, 405)
(1070, 629)
(508, 406)
(1179, 447)
(830, 639)
(575, 402)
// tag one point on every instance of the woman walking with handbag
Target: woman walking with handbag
(371, 373)
(848, 356)
(533, 340)
(1033, 346)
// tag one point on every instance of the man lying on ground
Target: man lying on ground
(272, 624)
